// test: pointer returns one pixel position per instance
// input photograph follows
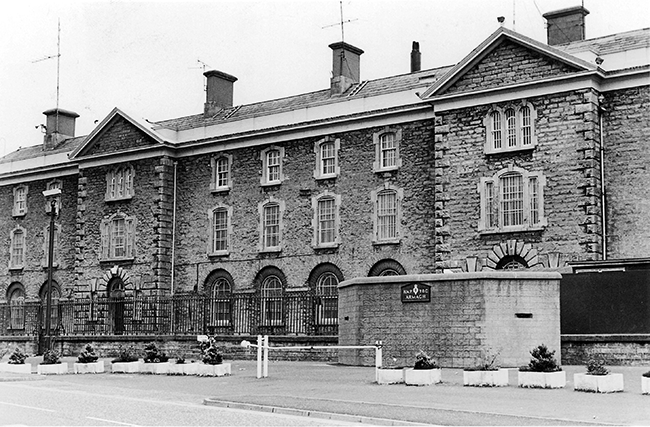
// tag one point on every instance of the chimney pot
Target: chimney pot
(219, 92)
(346, 67)
(60, 125)
(565, 25)
(415, 57)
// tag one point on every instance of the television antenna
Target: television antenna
(58, 69)
(203, 66)
(341, 23)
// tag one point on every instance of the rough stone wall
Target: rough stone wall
(118, 136)
(507, 64)
(469, 314)
(35, 221)
(152, 217)
(567, 155)
(614, 350)
(355, 255)
(627, 155)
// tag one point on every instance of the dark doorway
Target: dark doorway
(116, 294)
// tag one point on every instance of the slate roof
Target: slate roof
(613, 43)
(25, 153)
(363, 89)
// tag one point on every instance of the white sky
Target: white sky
(142, 56)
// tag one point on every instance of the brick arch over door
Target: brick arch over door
(512, 250)
(116, 272)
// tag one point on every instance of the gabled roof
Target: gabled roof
(489, 44)
(97, 132)
(613, 43)
(34, 151)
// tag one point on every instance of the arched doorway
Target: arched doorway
(115, 293)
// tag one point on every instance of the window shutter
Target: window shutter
(130, 237)
(105, 239)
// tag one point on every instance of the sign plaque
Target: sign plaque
(416, 292)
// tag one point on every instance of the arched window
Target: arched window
(16, 298)
(387, 267)
(272, 166)
(512, 262)
(17, 249)
(510, 129)
(387, 218)
(327, 163)
(271, 212)
(219, 286)
(220, 230)
(221, 180)
(20, 200)
(271, 289)
(387, 150)
(324, 280)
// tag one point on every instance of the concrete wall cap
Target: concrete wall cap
(496, 275)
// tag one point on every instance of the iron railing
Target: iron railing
(240, 314)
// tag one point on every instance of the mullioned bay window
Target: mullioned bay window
(512, 200)
(510, 129)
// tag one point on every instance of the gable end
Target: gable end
(118, 135)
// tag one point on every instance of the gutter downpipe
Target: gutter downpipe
(603, 207)
(173, 231)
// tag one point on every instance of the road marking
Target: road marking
(28, 407)
(109, 421)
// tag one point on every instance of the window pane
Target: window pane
(326, 221)
(490, 208)
(221, 294)
(20, 201)
(118, 241)
(511, 127)
(386, 215)
(496, 130)
(220, 231)
(16, 301)
(128, 182)
(512, 199)
(120, 183)
(273, 165)
(222, 172)
(525, 126)
(18, 248)
(388, 150)
(328, 159)
(271, 226)
(533, 190)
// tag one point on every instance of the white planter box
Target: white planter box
(598, 383)
(422, 376)
(486, 378)
(389, 375)
(645, 385)
(25, 368)
(221, 370)
(160, 368)
(55, 369)
(125, 367)
(183, 369)
(529, 379)
(89, 368)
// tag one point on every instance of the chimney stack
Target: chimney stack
(346, 67)
(565, 25)
(415, 57)
(219, 92)
(59, 126)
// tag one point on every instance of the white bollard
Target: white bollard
(259, 356)
(265, 373)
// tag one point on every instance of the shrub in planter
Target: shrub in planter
(487, 373)
(155, 360)
(126, 360)
(182, 367)
(598, 379)
(543, 370)
(390, 373)
(425, 371)
(212, 361)
(51, 364)
(87, 362)
(17, 357)
(645, 383)
(16, 363)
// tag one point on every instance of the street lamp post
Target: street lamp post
(50, 195)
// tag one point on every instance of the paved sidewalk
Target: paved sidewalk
(318, 389)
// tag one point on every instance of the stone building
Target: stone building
(522, 155)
